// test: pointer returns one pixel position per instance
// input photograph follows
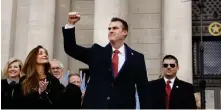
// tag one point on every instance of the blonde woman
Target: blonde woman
(10, 84)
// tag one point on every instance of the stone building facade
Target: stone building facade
(156, 28)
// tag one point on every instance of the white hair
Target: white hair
(59, 63)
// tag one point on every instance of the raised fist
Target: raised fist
(73, 17)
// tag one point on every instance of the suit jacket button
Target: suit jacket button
(108, 98)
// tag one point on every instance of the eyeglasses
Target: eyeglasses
(171, 65)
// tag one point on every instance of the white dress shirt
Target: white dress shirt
(121, 56)
(172, 81)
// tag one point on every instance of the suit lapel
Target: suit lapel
(163, 84)
(108, 50)
(175, 89)
(163, 91)
(128, 56)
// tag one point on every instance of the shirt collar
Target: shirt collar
(9, 80)
(172, 80)
(121, 49)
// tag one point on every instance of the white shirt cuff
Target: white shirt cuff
(68, 26)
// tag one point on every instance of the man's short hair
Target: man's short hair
(73, 74)
(171, 57)
(125, 25)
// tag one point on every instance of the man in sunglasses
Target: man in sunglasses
(169, 92)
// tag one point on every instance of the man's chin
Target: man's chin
(112, 40)
(169, 76)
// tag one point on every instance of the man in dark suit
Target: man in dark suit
(114, 69)
(169, 92)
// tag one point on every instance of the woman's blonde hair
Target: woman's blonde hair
(10, 61)
(198, 100)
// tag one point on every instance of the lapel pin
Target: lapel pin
(132, 53)
(177, 86)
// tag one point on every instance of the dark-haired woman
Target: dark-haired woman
(40, 89)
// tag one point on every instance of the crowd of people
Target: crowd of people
(38, 83)
(116, 73)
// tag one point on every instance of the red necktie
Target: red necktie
(115, 62)
(168, 90)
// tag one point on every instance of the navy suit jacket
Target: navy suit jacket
(182, 95)
(103, 90)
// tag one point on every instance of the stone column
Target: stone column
(177, 35)
(104, 11)
(8, 10)
(41, 25)
(62, 10)
(21, 29)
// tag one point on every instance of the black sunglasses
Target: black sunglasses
(171, 65)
